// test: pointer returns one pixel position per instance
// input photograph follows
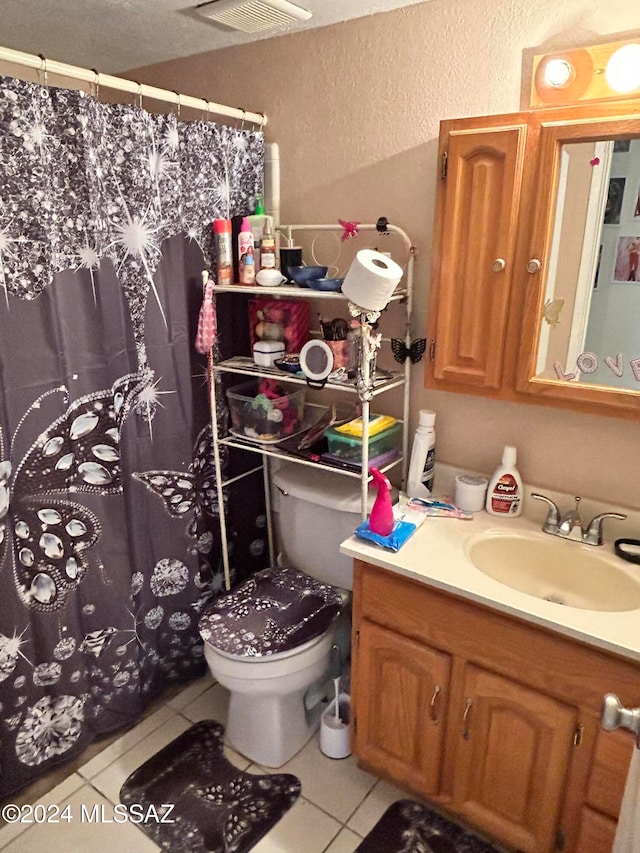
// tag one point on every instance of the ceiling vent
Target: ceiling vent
(253, 16)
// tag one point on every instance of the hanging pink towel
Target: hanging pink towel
(207, 327)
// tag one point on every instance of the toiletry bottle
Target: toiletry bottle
(381, 520)
(504, 495)
(267, 247)
(224, 256)
(423, 457)
(247, 267)
(245, 239)
(256, 224)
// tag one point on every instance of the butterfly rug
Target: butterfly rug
(216, 807)
(408, 827)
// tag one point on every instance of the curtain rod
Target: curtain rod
(48, 66)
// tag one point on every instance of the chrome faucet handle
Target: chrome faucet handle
(552, 521)
(571, 519)
(593, 535)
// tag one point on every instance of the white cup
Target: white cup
(471, 492)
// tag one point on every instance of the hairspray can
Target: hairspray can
(224, 255)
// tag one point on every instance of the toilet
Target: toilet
(276, 640)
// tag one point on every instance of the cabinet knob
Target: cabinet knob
(614, 716)
(534, 266)
(498, 265)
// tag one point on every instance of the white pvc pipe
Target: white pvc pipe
(272, 181)
(48, 66)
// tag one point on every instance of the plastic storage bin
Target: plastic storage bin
(349, 447)
(266, 410)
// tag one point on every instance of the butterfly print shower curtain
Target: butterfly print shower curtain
(109, 541)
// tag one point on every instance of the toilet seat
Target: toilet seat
(303, 647)
(275, 613)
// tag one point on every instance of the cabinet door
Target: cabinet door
(473, 270)
(512, 760)
(401, 712)
(609, 769)
(597, 832)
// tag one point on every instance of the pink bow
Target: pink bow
(350, 229)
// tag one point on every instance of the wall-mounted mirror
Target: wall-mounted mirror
(535, 287)
(590, 325)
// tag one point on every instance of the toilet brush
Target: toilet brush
(336, 682)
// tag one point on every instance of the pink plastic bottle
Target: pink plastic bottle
(381, 520)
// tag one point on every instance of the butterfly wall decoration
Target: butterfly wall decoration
(45, 530)
(551, 311)
(414, 351)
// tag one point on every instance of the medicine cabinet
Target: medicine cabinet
(535, 292)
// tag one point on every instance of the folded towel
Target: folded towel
(402, 530)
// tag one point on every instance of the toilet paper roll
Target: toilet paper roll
(371, 280)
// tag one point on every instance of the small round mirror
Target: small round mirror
(316, 361)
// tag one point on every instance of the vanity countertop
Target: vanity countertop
(436, 555)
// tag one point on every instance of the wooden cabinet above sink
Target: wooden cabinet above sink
(513, 313)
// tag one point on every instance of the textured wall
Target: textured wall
(355, 108)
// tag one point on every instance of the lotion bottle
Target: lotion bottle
(423, 457)
(504, 495)
(245, 239)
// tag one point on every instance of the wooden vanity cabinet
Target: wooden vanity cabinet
(488, 716)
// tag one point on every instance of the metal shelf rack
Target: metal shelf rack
(366, 387)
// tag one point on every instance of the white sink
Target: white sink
(547, 567)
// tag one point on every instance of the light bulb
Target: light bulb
(623, 69)
(558, 72)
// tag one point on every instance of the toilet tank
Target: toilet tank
(314, 511)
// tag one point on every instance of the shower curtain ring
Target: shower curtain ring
(139, 85)
(45, 75)
(244, 116)
(96, 84)
(178, 96)
(206, 109)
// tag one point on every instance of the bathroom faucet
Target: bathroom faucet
(570, 525)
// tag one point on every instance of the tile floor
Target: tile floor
(339, 803)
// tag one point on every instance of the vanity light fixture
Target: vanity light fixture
(623, 69)
(601, 72)
(558, 73)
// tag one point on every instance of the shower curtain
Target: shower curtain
(109, 540)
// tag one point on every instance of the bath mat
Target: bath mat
(216, 807)
(408, 827)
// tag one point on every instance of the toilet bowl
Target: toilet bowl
(272, 641)
(268, 719)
